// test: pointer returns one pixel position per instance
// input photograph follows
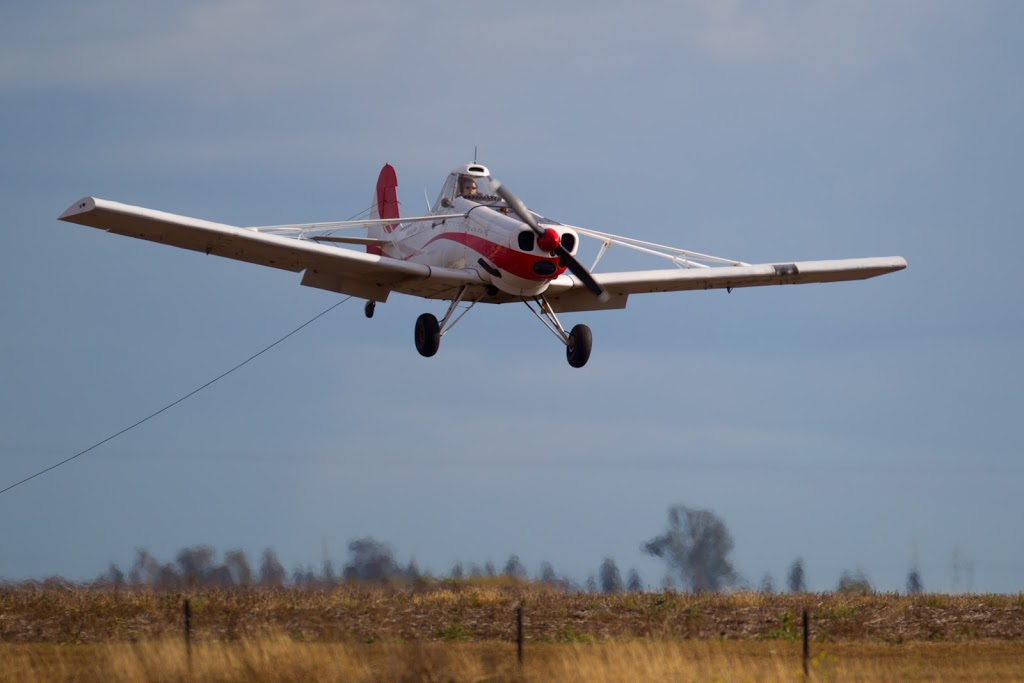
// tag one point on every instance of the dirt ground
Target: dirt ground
(466, 612)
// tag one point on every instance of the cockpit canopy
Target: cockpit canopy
(471, 181)
(474, 182)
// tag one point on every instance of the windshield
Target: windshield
(477, 188)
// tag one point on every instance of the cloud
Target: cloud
(823, 41)
(261, 49)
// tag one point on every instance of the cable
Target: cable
(171, 405)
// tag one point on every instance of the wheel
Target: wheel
(370, 307)
(428, 335)
(577, 351)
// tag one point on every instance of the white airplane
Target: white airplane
(478, 243)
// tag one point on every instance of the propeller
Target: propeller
(550, 238)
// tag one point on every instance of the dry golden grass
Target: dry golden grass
(279, 658)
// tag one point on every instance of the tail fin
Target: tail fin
(385, 205)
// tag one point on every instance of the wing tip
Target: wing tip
(83, 205)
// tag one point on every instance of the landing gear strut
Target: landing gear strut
(578, 341)
(429, 331)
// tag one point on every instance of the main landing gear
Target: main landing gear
(428, 335)
(578, 341)
(429, 331)
(577, 347)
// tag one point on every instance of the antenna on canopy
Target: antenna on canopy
(474, 154)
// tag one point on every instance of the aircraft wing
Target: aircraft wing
(326, 267)
(566, 293)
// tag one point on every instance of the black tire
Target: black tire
(370, 307)
(428, 335)
(577, 351)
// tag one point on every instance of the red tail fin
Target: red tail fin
(385, 204)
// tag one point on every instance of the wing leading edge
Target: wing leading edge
(374, 277)
(325, 267)
(568, 294)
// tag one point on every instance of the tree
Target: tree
(412, 570)
(271, 571)
(514, 569)
(238, 566)
(795, 580)
(767, 584)
(196, 564)
(371, 560)
(114, 577)
(147, 571)
(144, 570)
(220, 576)
(696, 547)
(553, 580)
(914, 584)
(633, 582)
(611, 580)
(304, 577)
(854, 582)
(327, 566)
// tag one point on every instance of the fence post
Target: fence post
(519, 635)
(188, 632)
(806, 646)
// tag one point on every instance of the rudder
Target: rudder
(385, 205)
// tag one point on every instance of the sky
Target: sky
(866, 426)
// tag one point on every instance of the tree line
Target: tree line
(369, 561)
(696, 548)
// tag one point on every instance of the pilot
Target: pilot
(467, 186)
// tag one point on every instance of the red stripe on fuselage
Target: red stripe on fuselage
(511, 261)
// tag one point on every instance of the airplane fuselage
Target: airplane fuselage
(501, 248)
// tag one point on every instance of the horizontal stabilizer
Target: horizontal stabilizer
(369, 241)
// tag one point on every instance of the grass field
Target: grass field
(280, 658)
(467, 632)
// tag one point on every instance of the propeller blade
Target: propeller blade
(516, 205)
(582, 273)
(574, 266)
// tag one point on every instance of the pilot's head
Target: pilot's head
(467, 186)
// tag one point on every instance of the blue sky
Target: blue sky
(852, 425)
